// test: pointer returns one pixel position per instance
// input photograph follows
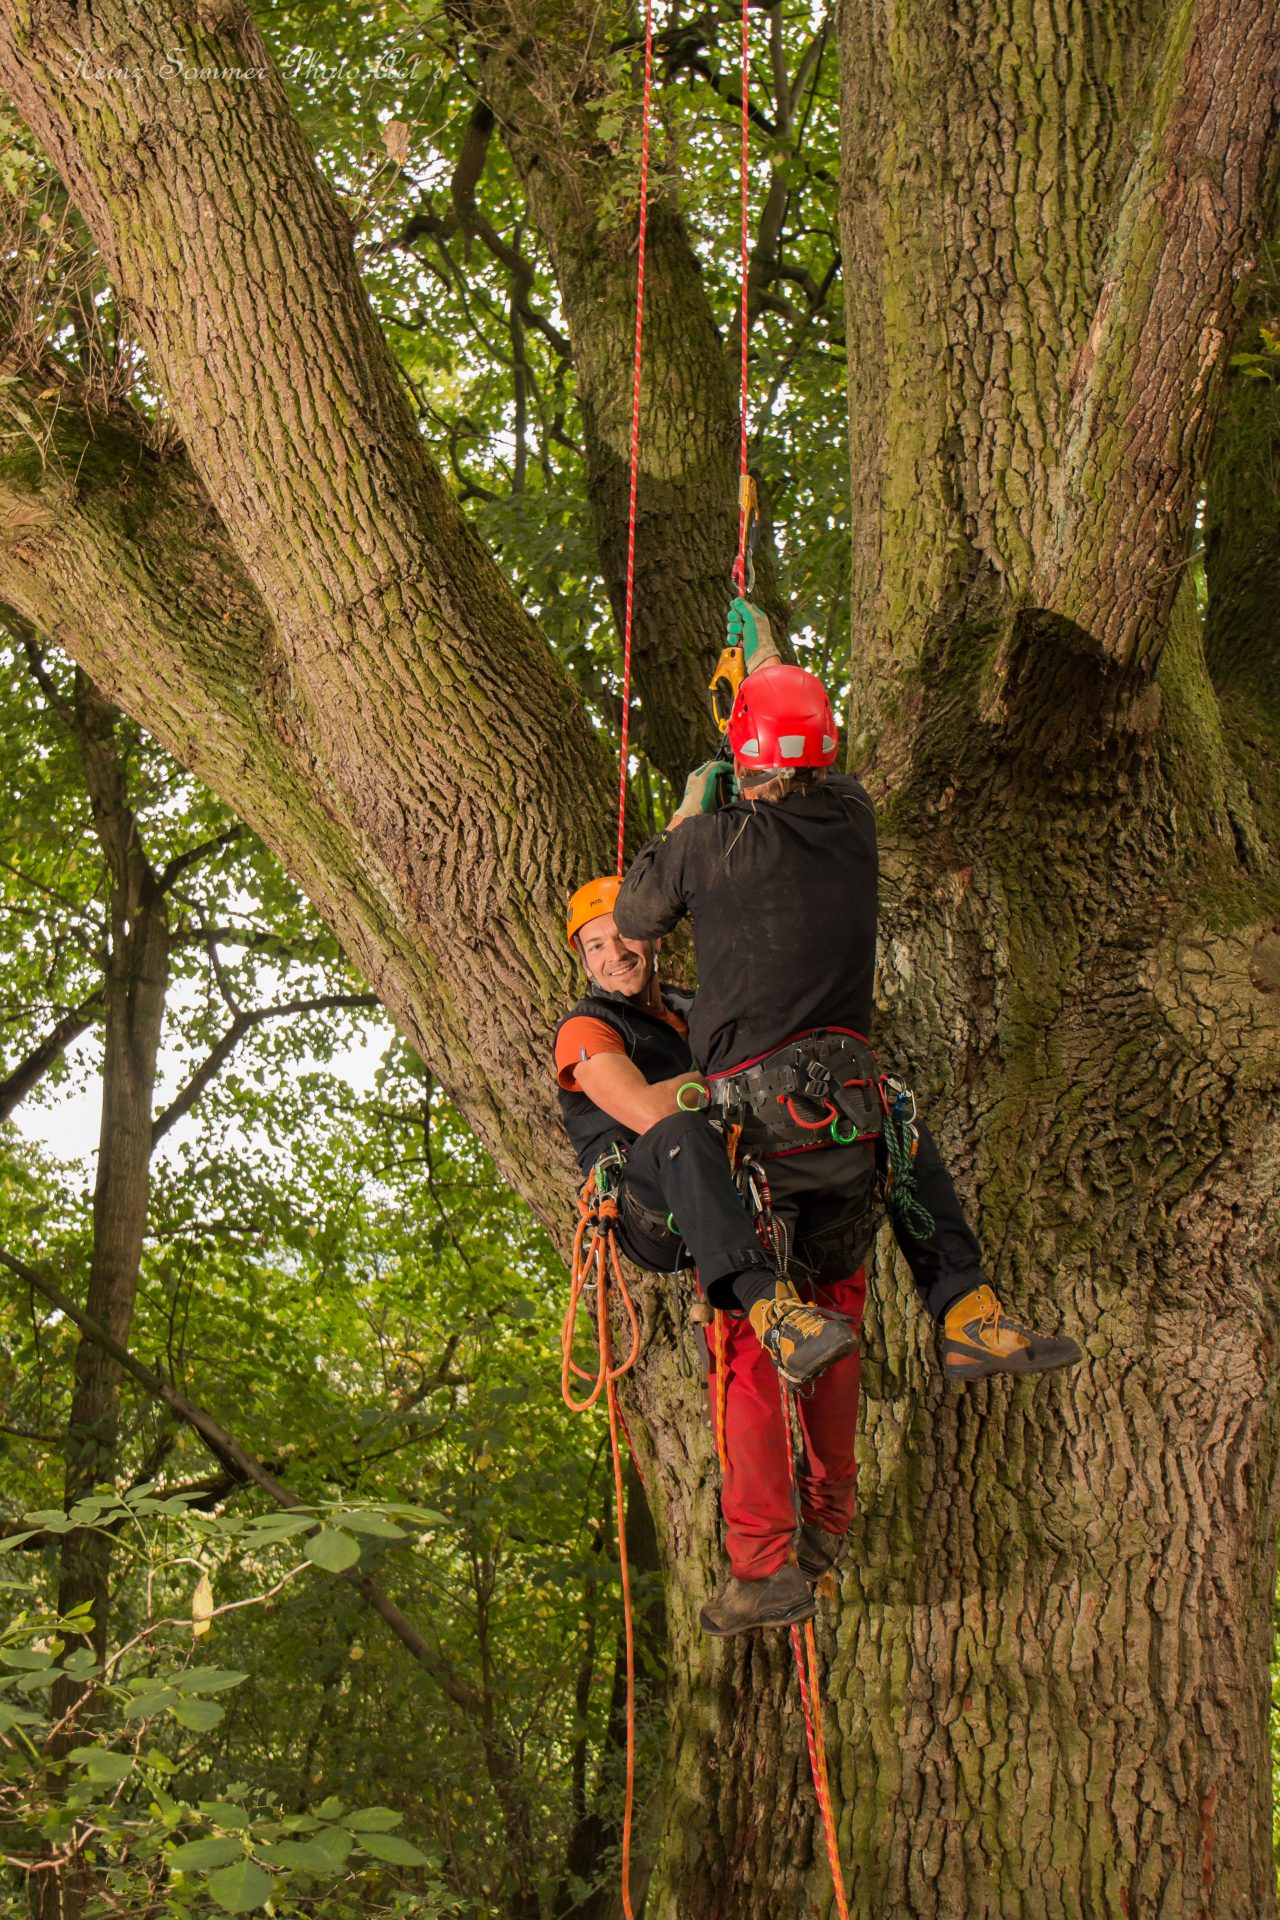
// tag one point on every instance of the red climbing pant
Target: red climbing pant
(757, 1499)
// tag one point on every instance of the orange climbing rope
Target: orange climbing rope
(595, 1263)
(806, 1653)
(722, 1390)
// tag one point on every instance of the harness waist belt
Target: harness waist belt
(818, 1089)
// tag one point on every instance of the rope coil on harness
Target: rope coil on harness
(595, 1263)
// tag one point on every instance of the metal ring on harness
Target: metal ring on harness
(701, 1098)
(841, 1138)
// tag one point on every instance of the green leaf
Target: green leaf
(332, 1550)
(241, 1888)
(101, 1764)
(27, 1658)
(18, 1717)
(208, 1679)
(335, 1843)
(15, 1540)
(391, 1848)
(145, 1704)
(373, 1523)
(198, 1855)
(226, 1813)
(372, 1819)
(303, 1855)
(198, 1715)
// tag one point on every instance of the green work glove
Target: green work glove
(749, 629)
(702, 791)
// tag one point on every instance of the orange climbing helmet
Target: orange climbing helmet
(589, 902)
(782, 718)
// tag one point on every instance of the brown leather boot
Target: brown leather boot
(800, 1340)
(818, 1551)
(979, 1338)
(779, 1600)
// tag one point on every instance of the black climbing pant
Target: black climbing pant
(679, 1168)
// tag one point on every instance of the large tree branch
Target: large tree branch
(406, 654)
(1145, 384)
(216, 1059)
(548, 92)
(20, 1080)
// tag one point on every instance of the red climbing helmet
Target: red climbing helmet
(782, 718)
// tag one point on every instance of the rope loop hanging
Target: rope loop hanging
(596, 1264)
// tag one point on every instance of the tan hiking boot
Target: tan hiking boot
(818, 1551)
(779, 1600)
(979, 1338)
(799, 1339)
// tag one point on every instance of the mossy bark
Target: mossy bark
(1047, 1676)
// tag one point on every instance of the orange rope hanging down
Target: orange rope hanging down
(635, 433)
(595, 1262)
(806, 1653)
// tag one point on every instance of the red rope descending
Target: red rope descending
(635, 432)
(595, 1260)
(806, 1653)
(722, 1388)
(740, 564)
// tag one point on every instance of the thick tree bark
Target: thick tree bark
(444, 746)
(1048, 1688)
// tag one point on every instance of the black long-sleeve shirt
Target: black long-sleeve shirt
(783, 899)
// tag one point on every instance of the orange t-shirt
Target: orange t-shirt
(583, 1037)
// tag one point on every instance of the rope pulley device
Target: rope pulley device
(730, 669)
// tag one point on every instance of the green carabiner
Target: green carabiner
(843, 1139)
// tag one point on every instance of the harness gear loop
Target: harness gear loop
(595, 1262)
(901, 1141)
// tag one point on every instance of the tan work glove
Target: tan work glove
(703, 791)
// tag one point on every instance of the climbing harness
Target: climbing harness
(818, 1088)
(595, 1264)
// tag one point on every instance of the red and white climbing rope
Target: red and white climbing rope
(635, 433)
(744, 313)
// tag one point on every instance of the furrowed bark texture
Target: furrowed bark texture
(1047, 1675)
(1048, 1671)
(545, 72)
(401, 654)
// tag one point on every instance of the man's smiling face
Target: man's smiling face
(617, 965)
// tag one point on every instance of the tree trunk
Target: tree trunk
(1048, 1686)
(137, 978)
